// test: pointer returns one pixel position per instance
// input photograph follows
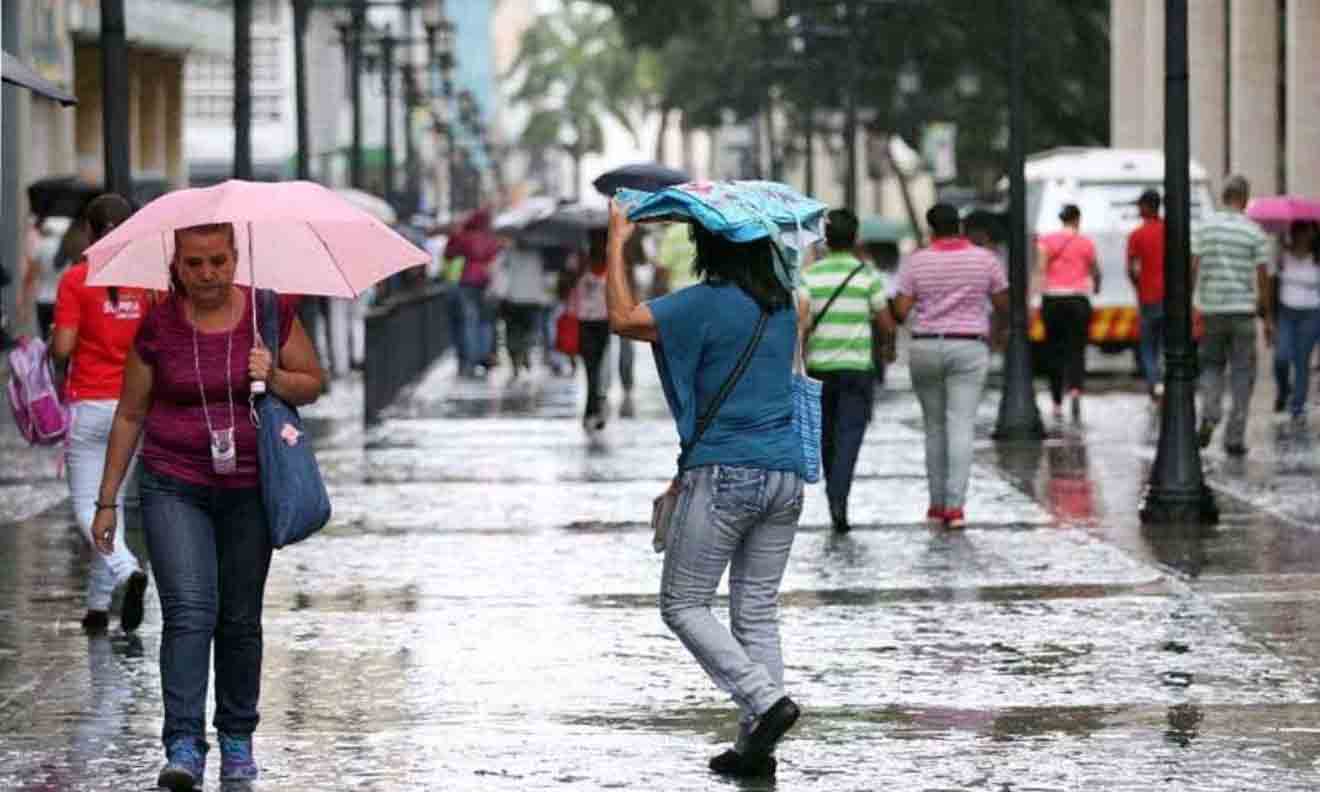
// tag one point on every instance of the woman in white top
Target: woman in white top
(1296, 278)
(588, 303)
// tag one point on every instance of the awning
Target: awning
(16, 72)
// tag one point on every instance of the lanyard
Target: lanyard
(229, 373)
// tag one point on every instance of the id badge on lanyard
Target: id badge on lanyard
(224, 457)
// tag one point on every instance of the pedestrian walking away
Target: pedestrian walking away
(1230, 261)
(523, 299)
(946, 289)
(848, 304)
(589, 305)
(40, 275)
(1145, 257)
(94, 328)
(1069, 274)
(478, 248)
(1295, 287)
(728, 342)
(187, 384)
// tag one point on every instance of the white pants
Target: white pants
(85, 458)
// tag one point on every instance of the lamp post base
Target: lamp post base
(1179, 507)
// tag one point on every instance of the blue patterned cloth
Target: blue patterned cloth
(806, 424)
(741, 211)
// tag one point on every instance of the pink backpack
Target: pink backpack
(41, 417)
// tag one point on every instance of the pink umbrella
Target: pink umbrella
(1278, 211)
(298, 238)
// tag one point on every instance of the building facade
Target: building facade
(1254, 86)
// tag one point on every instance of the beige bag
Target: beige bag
(662, 514)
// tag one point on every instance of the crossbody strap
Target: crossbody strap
(816, 320)
(704, 422)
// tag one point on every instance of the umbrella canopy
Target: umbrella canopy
(294, 237)
(741, 211)
(373, 205)
(644, 176)
(875, 228)
(1279, 211)
(570, 226)
(16, 72)
(60, 196)
(518, 217)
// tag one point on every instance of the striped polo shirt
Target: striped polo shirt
(842, 340)
(1231, 246)
(951, 282)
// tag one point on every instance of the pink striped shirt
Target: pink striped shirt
(951, 282)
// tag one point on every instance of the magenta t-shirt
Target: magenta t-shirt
(951, 283)
(176, 439)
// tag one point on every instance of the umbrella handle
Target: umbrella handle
(258, 386)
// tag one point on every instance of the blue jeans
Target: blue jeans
(747, 518)
(1152, 342)
(210, 552)
(845, 407)
(477, 342)
(1299, 329)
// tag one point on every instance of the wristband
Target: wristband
(100, 506)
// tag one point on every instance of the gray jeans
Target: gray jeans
(747, 518)
(1229, 342)
(949, 377)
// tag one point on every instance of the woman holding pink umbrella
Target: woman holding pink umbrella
(194, 364)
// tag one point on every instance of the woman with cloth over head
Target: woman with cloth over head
(94, 329)
(186, 389)
(741, 483)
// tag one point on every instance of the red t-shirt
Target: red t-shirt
(1147, 245)
(105, 333)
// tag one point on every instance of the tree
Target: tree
(574, 70)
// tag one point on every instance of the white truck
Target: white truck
(1104, 183)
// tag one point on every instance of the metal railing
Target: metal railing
(405, 336)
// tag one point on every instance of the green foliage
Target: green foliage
(574, 68)
(713, 56)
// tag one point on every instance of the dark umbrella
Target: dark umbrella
(16, 72)
(644, 176)
(60, 196)
(568, 227)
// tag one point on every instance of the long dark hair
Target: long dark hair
(102, 214)
(748, 265)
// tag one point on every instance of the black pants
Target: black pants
(845, 401)
(45, 320)
(520, 323)
(1067, 332)
(593, 340)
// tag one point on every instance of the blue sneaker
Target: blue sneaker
(236, 762)
(185, 765)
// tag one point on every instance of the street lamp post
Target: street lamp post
(242, 89)
(300, 17)
(387, 44)
(1019, 417)
(114, 98)
(1177, 494)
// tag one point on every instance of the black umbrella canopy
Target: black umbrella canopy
(569, 227)
(16, 72)
(645, 176)
(60, 196)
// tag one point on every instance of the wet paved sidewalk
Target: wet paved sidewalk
(481, 616)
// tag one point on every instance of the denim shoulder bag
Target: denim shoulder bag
(664, 506)
(292, 491)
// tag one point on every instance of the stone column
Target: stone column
(176, 165)
(1253, 95)
(1302, 160)
(1127, 86)
(1207, 57)
(1153, 75)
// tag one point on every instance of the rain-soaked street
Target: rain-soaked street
(481, 615)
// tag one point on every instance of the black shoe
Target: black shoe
(130, 618)
(1235, 450)
(839, 519)
(95, 622)
(771, 726)
(1205, 433)
(732, 763)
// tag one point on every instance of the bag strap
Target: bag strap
(744, 360)
(816, 320)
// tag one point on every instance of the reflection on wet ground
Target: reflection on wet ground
(481, 615)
